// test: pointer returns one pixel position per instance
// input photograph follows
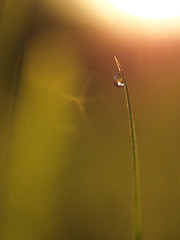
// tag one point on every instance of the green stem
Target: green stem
(136, 186)
(136, 198)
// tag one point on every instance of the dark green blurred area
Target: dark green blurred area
(65, 152)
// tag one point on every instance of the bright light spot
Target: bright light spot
(149, 8)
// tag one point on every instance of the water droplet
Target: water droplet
(119, 80)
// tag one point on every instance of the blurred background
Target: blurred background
(65, 152)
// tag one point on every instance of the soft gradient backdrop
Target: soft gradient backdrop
(65, 152)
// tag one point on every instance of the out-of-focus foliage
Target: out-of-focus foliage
(65, 154)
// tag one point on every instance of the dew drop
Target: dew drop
(119, 80)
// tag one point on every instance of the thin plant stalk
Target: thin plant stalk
(136, 186)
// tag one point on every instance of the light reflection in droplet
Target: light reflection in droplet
(119, 80)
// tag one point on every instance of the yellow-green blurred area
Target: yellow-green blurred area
(65, 151)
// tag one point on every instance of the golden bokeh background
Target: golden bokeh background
(65, 152)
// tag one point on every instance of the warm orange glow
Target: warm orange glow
(155, 18)
(149, 8)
